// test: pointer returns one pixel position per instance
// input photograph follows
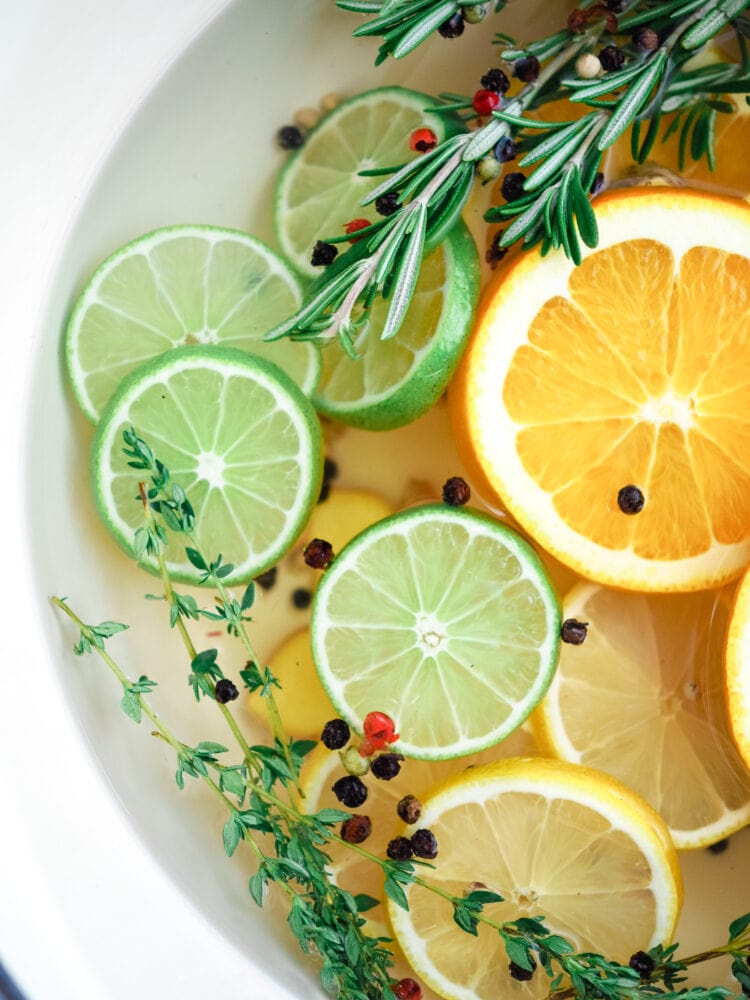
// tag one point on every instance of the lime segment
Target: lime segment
(445, 620)
(179, 286)
(236, 434)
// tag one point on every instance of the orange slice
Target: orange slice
(737, 665)
(632, 369)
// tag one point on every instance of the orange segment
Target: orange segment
(737, 669)
(632, 369)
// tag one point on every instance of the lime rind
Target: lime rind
(185, 284)
(236, 433)
(319, 189)
(395, 381)
(443, 618)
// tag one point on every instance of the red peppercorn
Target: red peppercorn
(379, 731)
(422, 140)
(354, 226)
(318, 553)
(484, 102)
(407, 989)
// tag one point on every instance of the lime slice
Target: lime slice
(445, 620)
(176, 286)
(395, 381)
(319, 189)
(236, 434)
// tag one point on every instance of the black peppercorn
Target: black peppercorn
(289, 137)
(630, 500)
(318, 554)
(512, 186)
(387, 203)
(642, 963)
(495, 253)
(597, 185)
(335, 734)
(526, 69)
(399, 849)
(505, 149)
(521, 974)
(350, 790)
(495, 79)
(573, 631)
(409, 809)
(424, 844)
(719, 846)
(646, 38)
(323, 254)
(356, 829)
(612, 58)
(616, 6)
(386, 766)
(225, 691)
(330, 472)
(456, 491)
(453, 27)
(301, 598)
(268, 579)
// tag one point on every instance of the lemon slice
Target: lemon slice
(555, 840)
(181, 285)
(236, 434)
(445, 620)
(642, 698)
(737, 665)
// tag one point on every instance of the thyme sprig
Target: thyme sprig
(554, 208)
(259, 793)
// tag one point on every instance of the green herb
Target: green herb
(554, 209)
(260, 789)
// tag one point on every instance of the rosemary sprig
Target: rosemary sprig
(259, 795)
(553, 206)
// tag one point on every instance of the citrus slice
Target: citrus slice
(343, 515)
(445, 620)
(606, 404)
(319, 189)
(737, 666)
(175, 286)
(553, 839)
(642, 699)
(236, 434)
(322, 768)
(393, 382)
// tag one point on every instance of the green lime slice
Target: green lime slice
(236, 434)
(394, 381)
(444, 619)
(319, 189)
(177, 286)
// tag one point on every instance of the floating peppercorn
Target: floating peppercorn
(642, 963)
(335, 735)
(487, 169)
(318, 553)
(495, 253)
(399, 849)
(225, 691)
(518, 972)
(407, 989)
(616, 6)
(268, 579)
(588, 66)
(456, 491)
(453, 27)
(505, 149)
(386, 766)
(484, 102)
(475, 12)
(526, 69)
(630, 500)
(424, 844)
(356, 829)
(379, 731)
(387, 203)
(573, 631)
(354, 762)
(354, 227)
(350, 790)
(512, 186)
(422, 140)
(577, 20)
(301, 598)
(597, 185)
(719, 846)
(612, 58)
(646, 38)
(495, 79)
(289, 137)
(330, 472)
(323, 254)
(409, 809)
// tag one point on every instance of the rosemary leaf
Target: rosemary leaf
(424, 28)
(633, 101)
(407, 275)
(712, 23)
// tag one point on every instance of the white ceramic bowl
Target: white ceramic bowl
(114, 877)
